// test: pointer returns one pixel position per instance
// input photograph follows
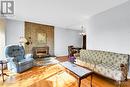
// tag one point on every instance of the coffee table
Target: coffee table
(78, 71)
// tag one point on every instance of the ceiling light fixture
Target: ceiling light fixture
(83, 31)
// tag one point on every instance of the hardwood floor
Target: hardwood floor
(54, 76)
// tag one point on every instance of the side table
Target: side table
(2, 62)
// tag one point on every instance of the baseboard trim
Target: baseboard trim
(61, 56)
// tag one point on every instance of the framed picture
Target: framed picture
(41, 38)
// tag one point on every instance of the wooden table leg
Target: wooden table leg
(2, 69)
(79, 82)
(2, 74)
(91, 80)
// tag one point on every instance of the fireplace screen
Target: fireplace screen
(40, 52)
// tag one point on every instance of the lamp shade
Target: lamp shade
(22, 40)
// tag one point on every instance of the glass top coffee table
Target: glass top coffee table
(78, 71)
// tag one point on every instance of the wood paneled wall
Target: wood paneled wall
(31, 31)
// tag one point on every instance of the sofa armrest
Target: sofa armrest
(77, 55)
(124, 69)
(11, 59)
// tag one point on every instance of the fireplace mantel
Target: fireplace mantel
(39, 35)
(40, 52)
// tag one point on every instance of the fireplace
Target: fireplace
(40, 52)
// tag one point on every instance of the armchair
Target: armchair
(17, 60)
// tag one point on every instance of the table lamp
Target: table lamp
(22, 40)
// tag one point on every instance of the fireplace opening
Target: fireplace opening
(40, 52)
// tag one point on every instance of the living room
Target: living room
(45, 30)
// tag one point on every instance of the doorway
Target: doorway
(84, 41)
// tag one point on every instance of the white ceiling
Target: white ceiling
(61, 13)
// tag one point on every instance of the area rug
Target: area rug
(45, 61)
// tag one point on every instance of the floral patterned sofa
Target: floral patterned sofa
(109, 64)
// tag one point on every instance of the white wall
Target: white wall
(14, 30)
(110, 30)
(63, 38)
(2, 37)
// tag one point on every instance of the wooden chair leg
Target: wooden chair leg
(118, 83)
(2, 74)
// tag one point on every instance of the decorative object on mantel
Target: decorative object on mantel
(83, 31)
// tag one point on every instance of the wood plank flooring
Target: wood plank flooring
(54, 76)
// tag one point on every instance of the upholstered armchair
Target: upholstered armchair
(17, 60)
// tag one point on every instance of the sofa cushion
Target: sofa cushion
(115, 59)
(109, 71)
(95, 57)
(120, 59)
(107, 57)
(86, 64)
(19, 58)
(90, 56)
